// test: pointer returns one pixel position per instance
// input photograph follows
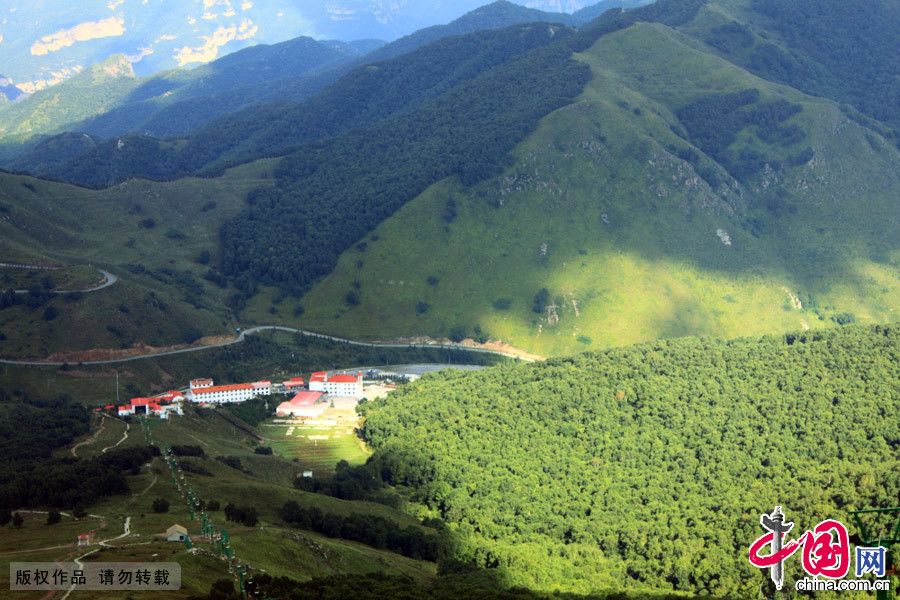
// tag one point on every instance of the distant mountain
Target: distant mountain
(104, 103)
(178, 102)
(491, 16)
(44, 43)
(94, 90)
(592, 11)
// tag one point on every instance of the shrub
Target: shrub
(53, 517)
(352, 298)
(148, 223)
(79, 512)
(540, 301)
(17, 520)
(212, 505)
(264, 450)
(422, 307)
(160, 505)
(457, 334)
(5, 517)
(502, 304)
(204, 257)
(844, 318)
(50, 313)
(432, 280)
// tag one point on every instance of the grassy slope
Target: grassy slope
(657, 267)
(264, 484)
(70, 225)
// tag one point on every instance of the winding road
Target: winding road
(254, 330)
(108, 280)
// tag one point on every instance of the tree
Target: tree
(53, 517)
(539, 304)
(79, 512)
(160, 505)
(17, 520)
(50, 313)
(5, 517)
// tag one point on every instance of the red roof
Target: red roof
(318, 376)
(109, 407)
(224, 388)
(344, 379)
(305, 399)
(141, 401)
(125, 407)
(153, 406)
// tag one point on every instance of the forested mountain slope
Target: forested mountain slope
(646, 469)
(679, 194)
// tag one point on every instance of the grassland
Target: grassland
(150, 234)
(629, 241)
(262, 481)
(315, 448)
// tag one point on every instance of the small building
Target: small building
(303, 404)
(176, 533)
(199, 384)
(294, 385)
(86, 539)
(126, 410)
(307, 474)
(341, 384)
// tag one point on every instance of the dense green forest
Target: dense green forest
(30, 430)
(330, 195)
(648, 467)
(846, 51)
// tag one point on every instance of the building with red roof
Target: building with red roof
(340, 384)
(238, 392)
(303, 404)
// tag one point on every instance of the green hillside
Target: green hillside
(646, 469)
(262, 482)
(678, 195)
(160, 239)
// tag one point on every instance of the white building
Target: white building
(349, 386)
(239, 392)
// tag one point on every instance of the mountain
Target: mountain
(495, 15)
(94, 90)
(678, 194)
(171, 102)
(592, 11)
(174, 103)
(649, 175)
(41, 45)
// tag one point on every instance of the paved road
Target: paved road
(254, 330)
(108, 280)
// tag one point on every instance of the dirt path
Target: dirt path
(91, 439)
(102, 544)
(124, 437)
(108, 280)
